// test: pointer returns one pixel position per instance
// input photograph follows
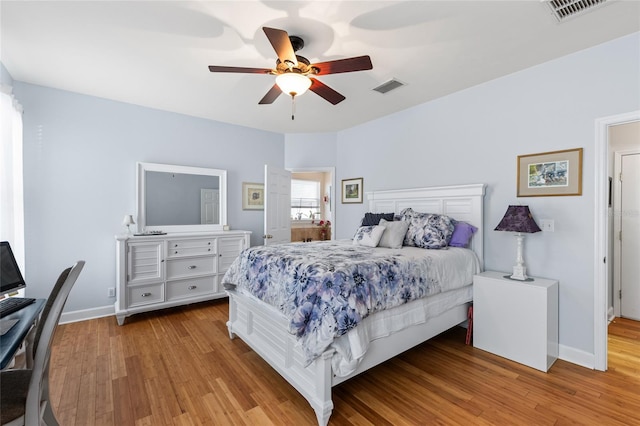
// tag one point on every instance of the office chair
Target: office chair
(24, 394)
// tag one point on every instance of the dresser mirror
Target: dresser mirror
(180, 198)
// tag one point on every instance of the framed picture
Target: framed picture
(550, 173)
(252, 196)
(352, 190)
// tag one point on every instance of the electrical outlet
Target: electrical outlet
(111, 292)
(547, 225)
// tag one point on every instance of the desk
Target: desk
(10, 342)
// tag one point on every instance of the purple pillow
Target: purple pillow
(462, 234)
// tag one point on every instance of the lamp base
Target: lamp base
(527, 280)
(519, 273)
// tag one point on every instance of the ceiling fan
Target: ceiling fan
(294, 72)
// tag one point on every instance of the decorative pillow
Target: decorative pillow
(372, 219)
(368, 235)
(394, 233)
(462, 234)
(427, 230)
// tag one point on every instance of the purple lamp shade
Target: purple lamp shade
(518, 219)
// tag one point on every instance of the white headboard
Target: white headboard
(461, 202)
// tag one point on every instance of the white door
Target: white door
(209, 206)
(630, 237)
(277, 205)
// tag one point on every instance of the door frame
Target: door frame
(601, 233)
(617, 246)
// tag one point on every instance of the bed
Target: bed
(268, 331)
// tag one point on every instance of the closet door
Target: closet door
(630, 237)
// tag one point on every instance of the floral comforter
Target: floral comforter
(325, 289)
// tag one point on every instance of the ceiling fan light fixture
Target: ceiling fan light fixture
(293, 84)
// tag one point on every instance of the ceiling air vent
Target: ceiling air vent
(388, 86)
(565, 9)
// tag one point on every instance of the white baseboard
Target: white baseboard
(87, 314)
(576, 356)
(610, 315)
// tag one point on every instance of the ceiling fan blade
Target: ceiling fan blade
(271, 95)
(215, 68)
(358, 63)
(326, 92)
(279, 39)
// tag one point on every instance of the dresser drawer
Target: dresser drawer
(191, 287)
(191, 267)
(145, 294)
(191, 247)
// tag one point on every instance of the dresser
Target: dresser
(161, 271)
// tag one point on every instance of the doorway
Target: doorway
(312, 204)
(602, 258)
(624, 143)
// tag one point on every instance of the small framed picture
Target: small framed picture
(550, 173)
(252, 196)
(352, 190)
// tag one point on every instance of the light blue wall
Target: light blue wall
(475, 136)
(305, 150)
(80, 155)
(5, 77)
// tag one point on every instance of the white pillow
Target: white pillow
(394, 233)
(368, 235)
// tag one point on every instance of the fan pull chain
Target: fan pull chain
(293, 106)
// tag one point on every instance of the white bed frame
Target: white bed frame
(265, 330)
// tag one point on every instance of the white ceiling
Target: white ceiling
(155, 53)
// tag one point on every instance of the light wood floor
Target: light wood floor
(179, 367)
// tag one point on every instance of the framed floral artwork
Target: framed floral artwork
(352, 190)
(252, 196)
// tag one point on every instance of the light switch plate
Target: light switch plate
(547, 225)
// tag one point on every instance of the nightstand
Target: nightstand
(517, 320)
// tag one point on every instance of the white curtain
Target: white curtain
(11, 177)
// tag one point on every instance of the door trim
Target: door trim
(601, 233)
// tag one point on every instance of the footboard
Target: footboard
(265, 330)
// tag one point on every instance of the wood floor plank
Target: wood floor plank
(179, 367)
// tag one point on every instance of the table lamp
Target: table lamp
(518, 219)
(128, 221)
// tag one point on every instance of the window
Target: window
(11, 186)
(305, 199)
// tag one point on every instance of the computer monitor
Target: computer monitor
(11, 278)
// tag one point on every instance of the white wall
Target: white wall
(80, 154)
(476, 135)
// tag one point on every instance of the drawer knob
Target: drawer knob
(193, 287)
(145, 294)
(208, 249)
(191, 267)
(220, 255)
(175, 245)
(176, 252)
(209, 243)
